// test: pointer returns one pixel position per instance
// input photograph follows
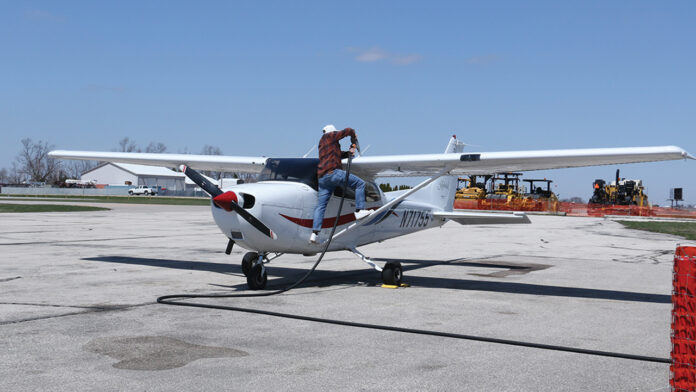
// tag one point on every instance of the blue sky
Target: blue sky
(262, 78)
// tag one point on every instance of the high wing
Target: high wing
(202, 162)
(483, 218)
(409, 165)
(509, 161)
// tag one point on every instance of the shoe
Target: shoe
(314, 238)
(362, 214)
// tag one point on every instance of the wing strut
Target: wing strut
(392, 202)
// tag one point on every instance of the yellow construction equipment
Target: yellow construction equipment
(472, 189)
(504, 193)
(621, 192)
(508, 190)
(538, 198)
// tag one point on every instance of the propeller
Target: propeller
(228, 201)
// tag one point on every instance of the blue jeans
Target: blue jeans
(327, 185)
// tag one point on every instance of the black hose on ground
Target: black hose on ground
(169, 300)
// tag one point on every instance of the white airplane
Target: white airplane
(286, 193)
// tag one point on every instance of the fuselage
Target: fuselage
(288, 209)
(285, 203)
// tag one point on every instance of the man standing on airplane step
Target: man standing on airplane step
(331, 175)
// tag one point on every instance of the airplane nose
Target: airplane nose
(226, 199)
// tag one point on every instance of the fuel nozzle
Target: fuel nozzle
(357, 147)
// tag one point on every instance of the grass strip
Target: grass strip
(6, 207)
(189, 201)
(682, 229)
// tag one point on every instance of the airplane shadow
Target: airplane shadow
(280, 277)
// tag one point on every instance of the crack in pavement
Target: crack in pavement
(87, 310)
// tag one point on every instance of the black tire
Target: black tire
(147, 193)
(130, 193)
(247, 261)
(392, 273)
(256, 280)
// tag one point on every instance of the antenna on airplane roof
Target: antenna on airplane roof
(309, 152)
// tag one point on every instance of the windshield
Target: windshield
(302, 170)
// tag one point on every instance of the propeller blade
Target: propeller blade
(226, 200)
(201, 181)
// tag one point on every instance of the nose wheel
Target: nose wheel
(392, 273)
(248, 261)
(257, 278)
(253, 269)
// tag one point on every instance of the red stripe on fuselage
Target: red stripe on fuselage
(328, 222)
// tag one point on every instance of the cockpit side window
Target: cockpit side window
(371, 192)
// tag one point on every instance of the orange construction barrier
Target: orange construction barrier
(683, 336)
(572, 209)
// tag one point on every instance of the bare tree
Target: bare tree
(34, 162)
(15, 176)
(74, 169)
(4, 175)
(127, 145)
(156, 147)
(211, 150)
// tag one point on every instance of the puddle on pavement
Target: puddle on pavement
(156, 352)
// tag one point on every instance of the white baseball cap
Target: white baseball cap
(329, 128)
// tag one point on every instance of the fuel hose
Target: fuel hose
(175, 299)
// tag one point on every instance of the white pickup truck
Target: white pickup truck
(142, 190)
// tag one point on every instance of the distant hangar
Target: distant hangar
(128, 174)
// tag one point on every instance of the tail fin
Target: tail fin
(441, 192)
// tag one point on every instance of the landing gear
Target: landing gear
(252, 266)
(254, 270)
(257, 277)
(248, 261)
(392, 273)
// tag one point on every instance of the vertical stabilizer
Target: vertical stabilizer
(441, 192)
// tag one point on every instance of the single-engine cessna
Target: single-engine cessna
(274, 215)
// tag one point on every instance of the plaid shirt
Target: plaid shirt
(330, 150)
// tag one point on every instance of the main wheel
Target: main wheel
(247, 261)
(130, 193)
(147, 193)
(257, 278)
(392, 274)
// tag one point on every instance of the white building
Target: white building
(131, 175)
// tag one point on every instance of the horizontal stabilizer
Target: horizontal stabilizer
(484, 218)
